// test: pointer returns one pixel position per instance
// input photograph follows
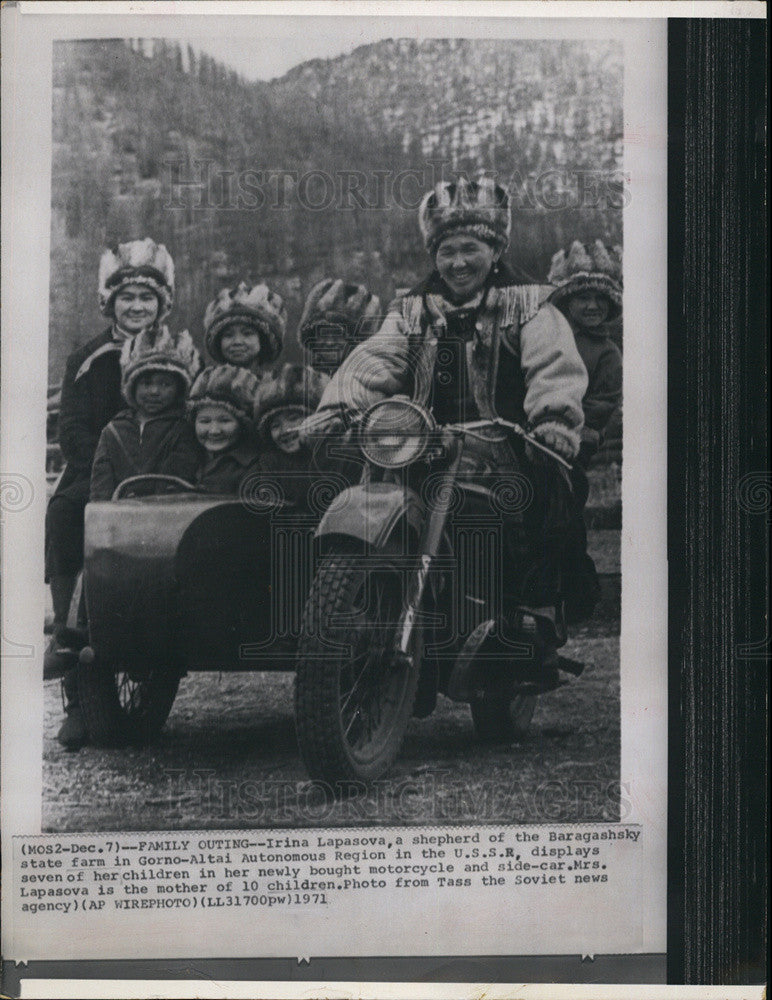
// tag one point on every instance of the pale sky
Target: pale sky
(264, 47)
(272, 53)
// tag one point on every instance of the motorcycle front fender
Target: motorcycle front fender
(372, 514)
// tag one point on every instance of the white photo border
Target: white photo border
(26, 204)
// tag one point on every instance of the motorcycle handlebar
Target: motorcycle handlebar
(469, 428)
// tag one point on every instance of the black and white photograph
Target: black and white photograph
(367, 529)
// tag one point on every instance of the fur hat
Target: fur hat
(258, 307)
(292, 386)
(227, 386)
(592, 268)
(158, 350)
(141, 262)
(333, 304)
(479, 208)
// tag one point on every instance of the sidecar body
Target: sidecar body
(195, 581)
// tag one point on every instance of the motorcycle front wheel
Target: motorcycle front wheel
(353, 695)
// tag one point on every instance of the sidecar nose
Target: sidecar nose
(129, 576)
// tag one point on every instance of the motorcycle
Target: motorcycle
(407, 599)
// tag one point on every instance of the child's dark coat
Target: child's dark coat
(603, 361)
(225, 473)
(166, 444)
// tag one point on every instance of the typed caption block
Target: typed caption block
(317, 879)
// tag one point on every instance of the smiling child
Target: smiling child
(220, 408)
(244, 326)
(151, 435)
(589, 294)
(336, 317)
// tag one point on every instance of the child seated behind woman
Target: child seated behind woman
(336, 317)
(220, 408)
(588, 291)
(244, 326)
(151, 435)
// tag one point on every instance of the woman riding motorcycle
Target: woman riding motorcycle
(470, 343)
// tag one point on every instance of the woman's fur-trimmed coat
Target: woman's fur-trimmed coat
(400, 358)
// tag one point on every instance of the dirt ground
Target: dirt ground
(228, 757)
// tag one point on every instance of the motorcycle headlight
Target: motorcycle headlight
(395, 433)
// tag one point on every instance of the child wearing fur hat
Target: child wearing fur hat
(282, 403)
(220, 408)
(152, 435)
(336, 317)
(588, 292)
(244, 326)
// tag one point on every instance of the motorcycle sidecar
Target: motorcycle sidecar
(183, 582)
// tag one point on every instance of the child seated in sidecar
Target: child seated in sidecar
(220, 409)
(282, 403)
(151, 435)
(244, 326)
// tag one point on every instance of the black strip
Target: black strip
(719, 502)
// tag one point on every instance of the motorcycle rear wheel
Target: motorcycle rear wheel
(121, 707)
(353, 696)
(500, 718)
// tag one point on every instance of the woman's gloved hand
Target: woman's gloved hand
(557, 438)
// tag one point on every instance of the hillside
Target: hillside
(130, 118)
(477, 103)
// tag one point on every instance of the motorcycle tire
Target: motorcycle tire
(499, 718)
(122, 708)
(353, 698)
